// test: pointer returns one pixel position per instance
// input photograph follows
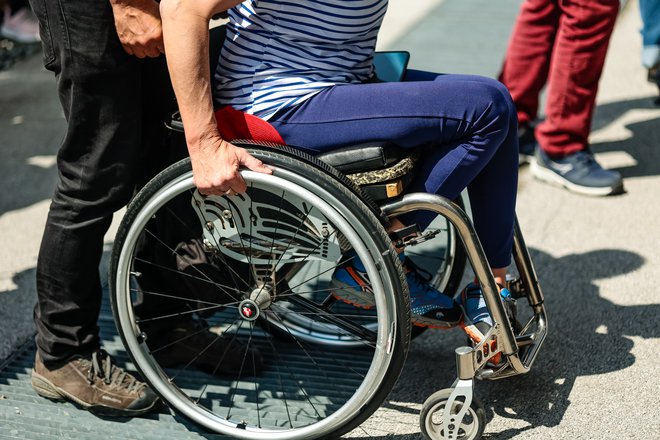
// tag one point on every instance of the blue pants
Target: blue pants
(650, 10)
(466, 124)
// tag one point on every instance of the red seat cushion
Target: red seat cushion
(234, 124)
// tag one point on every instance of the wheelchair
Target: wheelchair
(328, 365)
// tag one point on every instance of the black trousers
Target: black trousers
(114, 105)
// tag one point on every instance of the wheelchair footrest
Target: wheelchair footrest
(412, 240)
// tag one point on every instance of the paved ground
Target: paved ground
(597, 258)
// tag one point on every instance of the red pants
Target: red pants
(562, 43)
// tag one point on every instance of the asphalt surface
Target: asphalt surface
(597, 376)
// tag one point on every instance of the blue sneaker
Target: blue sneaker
(478, 320)
(578, 172)
(350, 283)
(429, 307)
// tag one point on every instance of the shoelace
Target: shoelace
(585, 157)
(102, 367)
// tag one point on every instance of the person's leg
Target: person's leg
(98, 161)
(527, 59)
(577, 63)
(650, 10)
(563, 156)
(100, 91)
(467, 121)
(468, 125)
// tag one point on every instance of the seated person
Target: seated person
(307, 68)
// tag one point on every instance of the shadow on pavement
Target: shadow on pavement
(31, 127)
(643, 139)
(588, 336)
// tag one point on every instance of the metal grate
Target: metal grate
(25, 415)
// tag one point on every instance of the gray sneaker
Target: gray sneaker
(578, 172)
(94, 383)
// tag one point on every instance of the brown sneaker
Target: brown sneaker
(190, 343)
(95, 384)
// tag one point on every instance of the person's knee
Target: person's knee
(500, 104)
(504, 98)
(498, 118)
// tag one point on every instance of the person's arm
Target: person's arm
(215, 161)
(138, 27)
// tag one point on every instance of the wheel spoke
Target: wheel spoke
(345, 325)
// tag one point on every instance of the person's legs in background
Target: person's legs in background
(576, 61)
(100, 91)
(650, 10)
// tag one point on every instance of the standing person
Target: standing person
(562, 45)
(115, 92)
(311, 80)
(650, 10)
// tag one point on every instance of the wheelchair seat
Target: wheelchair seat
(381, 169)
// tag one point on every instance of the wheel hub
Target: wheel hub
(260, 299)
(249, 310)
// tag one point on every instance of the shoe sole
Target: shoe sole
(553, 178)
(348, 294)
(47, 389)
(525, 159)
(425, 321)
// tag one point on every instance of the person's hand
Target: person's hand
(139, 27)
(216, 165)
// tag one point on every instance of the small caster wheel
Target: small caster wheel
(431, 418)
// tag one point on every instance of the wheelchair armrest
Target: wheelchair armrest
(391, 66)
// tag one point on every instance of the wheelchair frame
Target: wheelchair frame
(454, 405)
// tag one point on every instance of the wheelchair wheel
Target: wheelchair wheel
(267, 256)
(432, 417)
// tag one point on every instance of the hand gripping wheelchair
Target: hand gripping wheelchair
(259, 274)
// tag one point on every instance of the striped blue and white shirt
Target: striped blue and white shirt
(278, 53)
